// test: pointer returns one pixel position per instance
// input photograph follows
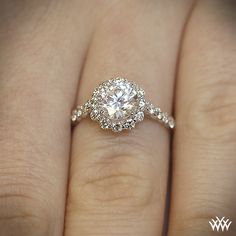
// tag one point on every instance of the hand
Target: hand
(57, 181)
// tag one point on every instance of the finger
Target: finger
(41, 54)
(118, 181)
(204, 144)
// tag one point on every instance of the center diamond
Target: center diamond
(117, 104)
(119, 100)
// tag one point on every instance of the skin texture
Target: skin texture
(57, 181)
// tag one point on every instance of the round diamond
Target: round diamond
(139, 116)
(118, 100)
(117, 127)
(94, 114)
(171, 122)
(74, 118)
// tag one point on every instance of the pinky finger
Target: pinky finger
(204, 170)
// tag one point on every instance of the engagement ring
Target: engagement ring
(118, 104)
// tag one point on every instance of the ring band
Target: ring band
(118, 104)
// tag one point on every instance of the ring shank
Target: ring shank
(150, 110)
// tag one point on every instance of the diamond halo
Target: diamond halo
(118, 104)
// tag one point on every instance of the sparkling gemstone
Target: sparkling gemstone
(129, 124)
(119, 100)
(171, 123)
(165, 118)
(104, 124)
(160, 116)
(94, 114)
(117, 127)
(150, 108)
(79, 113)
(139, 116)
(73, 118)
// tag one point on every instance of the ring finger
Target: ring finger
(118, 181)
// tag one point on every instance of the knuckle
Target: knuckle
(197, 213)
(113, 171)
(115, 180)
(25, 208)
(212, 113)
(21, 214)
(192, 227)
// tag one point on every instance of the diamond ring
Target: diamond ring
(118, 104)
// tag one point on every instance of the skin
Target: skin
(58, 181)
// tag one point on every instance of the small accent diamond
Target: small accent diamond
(117, 127)
(139, 116)
(171, 122)
(94, 114)
(74, 118)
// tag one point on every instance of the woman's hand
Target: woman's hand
(94, 182)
